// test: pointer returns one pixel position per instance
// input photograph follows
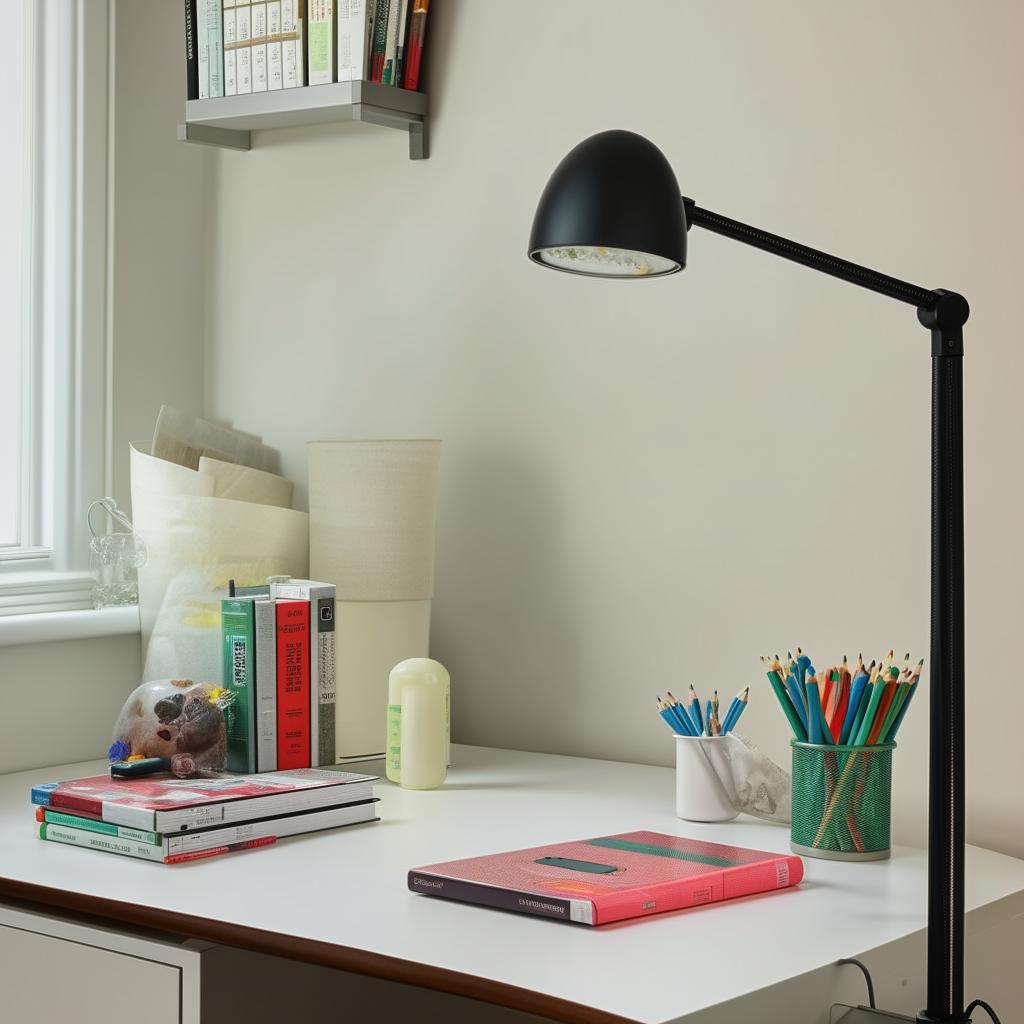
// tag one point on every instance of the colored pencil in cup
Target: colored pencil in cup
(695, 714)
(709, 720)
(860, 680)
(813, 710)
(681, 714)
(666, 713)
(902, 713)
(736, 708)
(782, 696)
(877, 692)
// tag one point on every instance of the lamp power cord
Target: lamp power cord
(993, 1016)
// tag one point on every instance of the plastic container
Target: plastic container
(417, 742)
(700, 768)
(842, 801)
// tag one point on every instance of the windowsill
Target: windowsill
(82, 624)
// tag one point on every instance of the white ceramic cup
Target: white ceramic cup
(700, 767)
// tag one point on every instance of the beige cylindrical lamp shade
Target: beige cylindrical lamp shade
(371, 517)
(371, 514)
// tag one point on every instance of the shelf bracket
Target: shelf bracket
(208, 135)
(417, 128)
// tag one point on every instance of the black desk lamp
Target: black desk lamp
(612, 208)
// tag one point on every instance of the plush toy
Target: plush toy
(178, 720)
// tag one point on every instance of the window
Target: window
(53, 259)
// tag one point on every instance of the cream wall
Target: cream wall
(650, 484)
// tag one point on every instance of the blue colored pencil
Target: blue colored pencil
(666, 713)
(814, 716)
(803, 665)
(734, 710)
(684, 717)
(707, 720)
(860, 681)
(695, 710)
(799, 701)
(685, 722)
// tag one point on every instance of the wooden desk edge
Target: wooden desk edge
(312, 951)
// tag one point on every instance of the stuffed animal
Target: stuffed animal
(176, 719)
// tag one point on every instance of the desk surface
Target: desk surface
(340, 898)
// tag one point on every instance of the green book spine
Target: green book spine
(96, 841)
(137, 835)
(237, 619)
(380, 38)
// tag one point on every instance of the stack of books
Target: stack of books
(278, 657)
(234, 47)
(174, 820)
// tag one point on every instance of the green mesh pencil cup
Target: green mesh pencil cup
(842, 798)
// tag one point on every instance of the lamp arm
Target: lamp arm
(944, 313)
(813, 258)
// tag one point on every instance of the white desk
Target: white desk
(340, 900)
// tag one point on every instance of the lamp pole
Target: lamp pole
(944, 314)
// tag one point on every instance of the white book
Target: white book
(291, 45)
(203, 46)
(215, 33)
(265, 616)
(322, 675)
(391, 42)
(259, 47)
(230, 38)
(353, 27)
(243, 49)
(320, 42)
(275, 68)
(192, 843)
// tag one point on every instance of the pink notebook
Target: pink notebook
(611, 878)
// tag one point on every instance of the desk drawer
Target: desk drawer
(46, 978)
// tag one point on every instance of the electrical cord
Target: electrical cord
(988, 1009)
(867, 977)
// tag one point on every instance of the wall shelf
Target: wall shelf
(229, 121)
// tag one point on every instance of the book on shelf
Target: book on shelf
(611, 878)
(238, 650)
(275, 68)
(210, 48)
(387, 69)
(191, 51)
(322, 684)
(417, 33)
(259, 46)
(320, 47)
(176, 848)
(402, 43)
(294, 699)
(243, 48)
(230, 53)
(379, 42)
(167, 805)
(355, 26)
(293, 59)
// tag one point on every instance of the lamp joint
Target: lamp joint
(945, 318)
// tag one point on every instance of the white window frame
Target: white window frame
(65, 414)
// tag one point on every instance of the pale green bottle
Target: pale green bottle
(418, 702)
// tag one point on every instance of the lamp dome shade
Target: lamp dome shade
(612, 208)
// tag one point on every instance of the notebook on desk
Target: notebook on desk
(610, 878)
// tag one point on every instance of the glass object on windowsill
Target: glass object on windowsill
(114, 558)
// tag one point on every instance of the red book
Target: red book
(292, 685)
(179, 805)
(417, 30)
(611, 878)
